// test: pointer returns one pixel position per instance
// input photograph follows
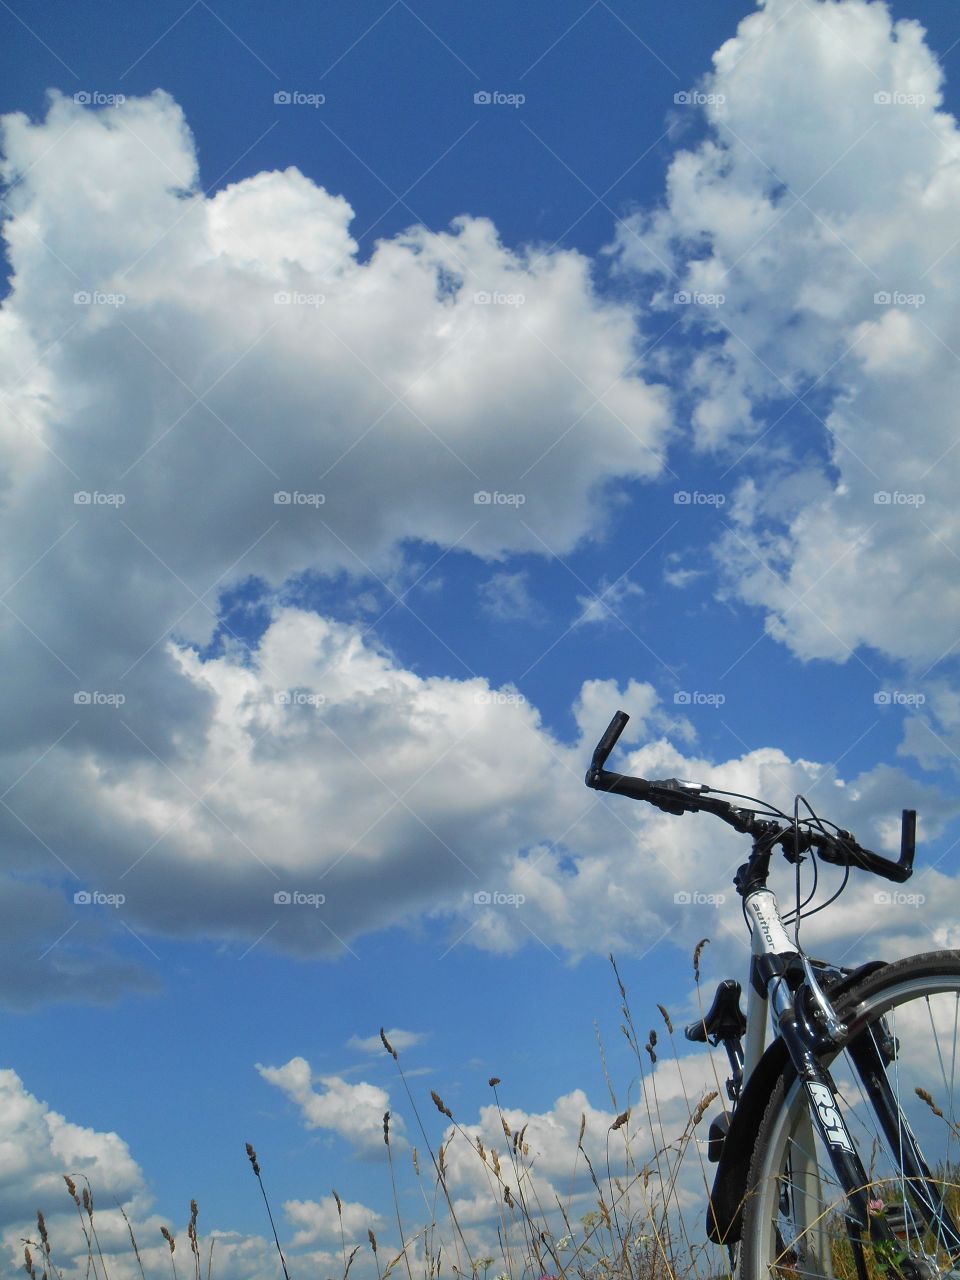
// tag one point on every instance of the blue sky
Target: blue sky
(464, 656)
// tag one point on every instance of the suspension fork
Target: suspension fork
(781, 970)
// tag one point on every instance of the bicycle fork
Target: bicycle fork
(783, 975)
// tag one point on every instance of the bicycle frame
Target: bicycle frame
(782, 980)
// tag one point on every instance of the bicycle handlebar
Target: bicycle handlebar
(673, 796)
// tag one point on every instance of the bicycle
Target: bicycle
(821, 1171)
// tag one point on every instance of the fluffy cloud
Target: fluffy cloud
(256, 790)
(342, 793)
(323, 1220)
(398, 1038)
(39, 1145)
(171, 363)
(828, 372)
(352, 1111)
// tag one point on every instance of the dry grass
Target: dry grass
(633, 1193)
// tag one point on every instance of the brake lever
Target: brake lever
(675, 784)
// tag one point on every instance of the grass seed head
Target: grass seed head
(252, 1157)
(666, 1018)
(620, 1121)
(697, 953)
(440, 1105)
(169, 1238)
(386, 1128)
(702, 1106)
(925, 1097)
(372, 1238)
(387, 1045)
(333, 1192)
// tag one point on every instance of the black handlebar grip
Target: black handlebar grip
(908, 838)
(609, 740)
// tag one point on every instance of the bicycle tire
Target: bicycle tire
(792, 1222)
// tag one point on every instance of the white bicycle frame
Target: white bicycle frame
(769, 937)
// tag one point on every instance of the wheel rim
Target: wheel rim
(796, 1219)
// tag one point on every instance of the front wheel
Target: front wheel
(905, 1021)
